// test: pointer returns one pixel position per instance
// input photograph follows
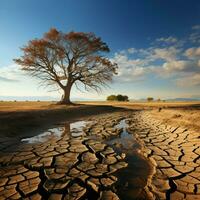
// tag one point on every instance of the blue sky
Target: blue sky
(156, 43)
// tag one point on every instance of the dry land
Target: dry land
(20, 118)
(186, 114)
(125, 151)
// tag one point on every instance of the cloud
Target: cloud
(196, 27)
(166, 54)
(144, 62)
(179, 59)
(128, 51)
(129, 69)
(15, 82)
(131, 50)
(179, 66)
(188, 81)
(193, 52)
(194, 37)
(7, 79)
(11, 73)
(168, 40)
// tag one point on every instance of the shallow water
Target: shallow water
(133, 178)
(75, 129)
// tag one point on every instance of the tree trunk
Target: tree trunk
(66, 96)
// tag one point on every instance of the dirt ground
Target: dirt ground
(166, 135)
(189, 119)
(20, 118)
(17, 116)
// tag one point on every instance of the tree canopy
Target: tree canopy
(63, 59)
(149, 99)
(118, 97)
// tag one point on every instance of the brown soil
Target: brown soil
(20, 118)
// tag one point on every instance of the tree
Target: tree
(125, 98)
(64, 59)
(119, 97)
(122, 97)
(149, 99)
(112, 98)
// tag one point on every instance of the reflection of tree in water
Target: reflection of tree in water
(66, 130)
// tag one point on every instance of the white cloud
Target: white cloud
(189, 80)
(178, 66)
(168, 40)
(194, 37)
(129, 69)
(131, 50)
(11, 73)
(7, 79)
(193, 52)
(15, 82)
(167, 54)
(198, 63)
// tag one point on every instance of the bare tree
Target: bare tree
(63, 59)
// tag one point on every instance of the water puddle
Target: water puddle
(132, 179)
(74, 129)
(125, 141)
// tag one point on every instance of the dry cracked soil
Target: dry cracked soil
(124, 155)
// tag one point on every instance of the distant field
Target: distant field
(45, 105)
(145, 105)
(27, 105)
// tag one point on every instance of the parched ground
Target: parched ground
(18, 119)
(175, 153)
(85, 167)
(64, 167)
(188, 118)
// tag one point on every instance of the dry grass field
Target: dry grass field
(12, 106)
(43, 105)
(147, 105)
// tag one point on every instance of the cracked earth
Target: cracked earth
(175, 154)
(80, 164)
